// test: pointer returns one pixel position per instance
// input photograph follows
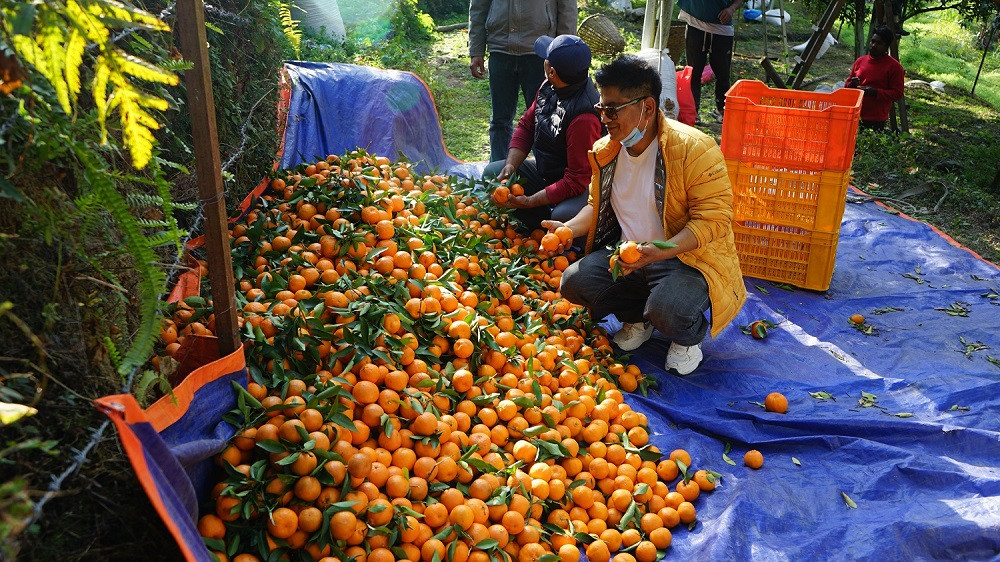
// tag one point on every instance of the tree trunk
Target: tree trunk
(859, 27)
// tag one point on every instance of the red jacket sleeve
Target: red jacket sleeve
(581, 134)
(524, 134)
(895, 81)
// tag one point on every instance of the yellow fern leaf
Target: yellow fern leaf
(88, 23)
(128, 64)
(102, 73)
(52, 38)
(75, 47)
(27, 49)
(137, 125)
(131, 14)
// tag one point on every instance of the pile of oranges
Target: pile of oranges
(420, 390)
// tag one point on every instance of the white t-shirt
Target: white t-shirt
(632, 196)
(707, 27)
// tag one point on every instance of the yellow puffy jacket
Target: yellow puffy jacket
(692, 192)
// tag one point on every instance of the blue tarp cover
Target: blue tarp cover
(921, 461)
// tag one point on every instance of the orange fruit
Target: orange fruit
(753, 459)
(629, 252)
(857, 319)
(706, 484)
(776, 402)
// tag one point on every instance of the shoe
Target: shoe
(717, 115)
(902, 32)
(683, 359)
(632, 335)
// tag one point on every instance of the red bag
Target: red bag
(687, 112)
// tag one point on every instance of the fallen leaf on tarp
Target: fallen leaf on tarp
(725, 455)
(847, 499)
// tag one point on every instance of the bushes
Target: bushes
(443, 9)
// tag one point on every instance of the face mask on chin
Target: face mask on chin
(635, 136)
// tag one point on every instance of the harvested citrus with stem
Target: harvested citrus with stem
(414, 368)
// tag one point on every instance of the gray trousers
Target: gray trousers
(670, 295)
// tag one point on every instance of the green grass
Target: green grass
(942, 49)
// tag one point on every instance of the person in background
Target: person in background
(508, 29)
(709, 38)
(558, 128)
(881, 78)
(655, 179)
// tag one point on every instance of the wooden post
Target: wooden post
(201, 107)
(772, 74)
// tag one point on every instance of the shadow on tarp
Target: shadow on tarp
(922, 466)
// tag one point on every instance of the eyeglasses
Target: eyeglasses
(611, 111)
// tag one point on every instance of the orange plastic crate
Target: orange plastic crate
(804, 199)
(785, 254)
(793, 129)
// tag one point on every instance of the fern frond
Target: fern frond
(290, 27)
(191, 206)
(137, 200)
(113, 355)
(76, 45)
(128, 64)
(102, 74)
(109, 9)
(87, 23)
(151, 223)
(152, 279)
(51, 39)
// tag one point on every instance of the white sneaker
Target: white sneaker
(632, 335)
(683, 359)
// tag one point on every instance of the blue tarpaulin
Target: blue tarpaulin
(911, 432)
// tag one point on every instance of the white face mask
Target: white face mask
(635, 136)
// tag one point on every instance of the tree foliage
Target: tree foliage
(53, 37)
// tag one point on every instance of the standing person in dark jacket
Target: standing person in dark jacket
(508, 29)
(709, 38)
(881, 78)
(558, 128)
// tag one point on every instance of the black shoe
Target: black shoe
(902, 32)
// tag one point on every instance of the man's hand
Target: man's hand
(868, 90)
(507, 171)
(853, 82)
(551, 225)
(726, 15)
(477, 66)
(648, 254)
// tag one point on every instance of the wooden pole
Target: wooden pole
(201, 107)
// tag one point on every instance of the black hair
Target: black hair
(632, 75)
(884, 33)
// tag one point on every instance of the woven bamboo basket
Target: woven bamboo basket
(675, 43)
(601, 35)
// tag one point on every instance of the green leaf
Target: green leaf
(903, 415)
(725, 455)
(487, 544)
(822, 395)
(796, 461)
(847, 499)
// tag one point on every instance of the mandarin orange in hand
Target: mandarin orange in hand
(629, 252)
(501, 194)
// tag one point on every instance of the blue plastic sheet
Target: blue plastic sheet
(921, 462)
(922, 465)
(336, 108)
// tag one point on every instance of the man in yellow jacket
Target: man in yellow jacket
(655, 179)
